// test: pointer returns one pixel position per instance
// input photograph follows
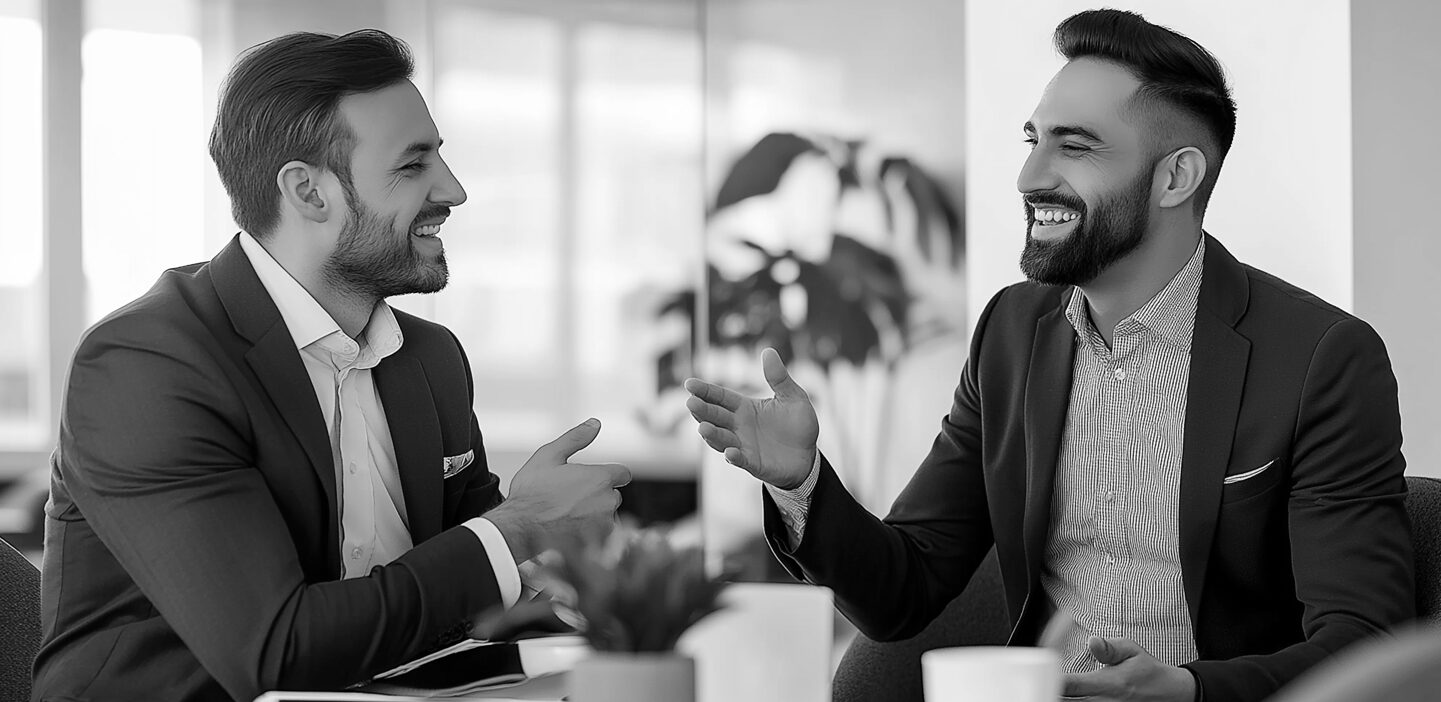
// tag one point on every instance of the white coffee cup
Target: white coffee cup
(991, 673)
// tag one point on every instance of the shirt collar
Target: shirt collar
(1171, 314)
(307, 321)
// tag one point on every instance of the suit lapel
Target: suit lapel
(415, 431)
(1219, 356)
(276, 362)
(1048, 391)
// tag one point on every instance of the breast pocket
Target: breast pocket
(1251, 482)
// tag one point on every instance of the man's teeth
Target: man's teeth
(428, 230)
(1055, 216)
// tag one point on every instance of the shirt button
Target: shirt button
(355, 552)
(1110, 495)
(352, 467)
(1120, 374)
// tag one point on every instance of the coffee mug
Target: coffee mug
(990, 673)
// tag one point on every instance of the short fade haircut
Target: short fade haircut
(280, 103)
(1174, 72)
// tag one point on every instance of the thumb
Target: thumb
(1113, 651)
(777, 376)
(563, 447)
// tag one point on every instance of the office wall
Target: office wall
(1283, 201)
(1395, 99)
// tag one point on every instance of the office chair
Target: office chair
(20, 622)
(1423, 503)
(891, 672)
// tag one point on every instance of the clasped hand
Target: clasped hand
(773, 439)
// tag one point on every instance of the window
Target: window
(23, 355)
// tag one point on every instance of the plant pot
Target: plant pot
(633, 677)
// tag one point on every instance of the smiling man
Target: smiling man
(1196, 462)
(267, 478)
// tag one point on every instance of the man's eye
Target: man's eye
(416, 167)
(1074, 148)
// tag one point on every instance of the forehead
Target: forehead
(1090, 93)
(388, 121)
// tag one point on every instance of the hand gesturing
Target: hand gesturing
(773, 439)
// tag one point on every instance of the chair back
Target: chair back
(1423, 504)
(20, 622)
(871, 671)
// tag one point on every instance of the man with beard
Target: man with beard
(1195, 462)
(266, 476)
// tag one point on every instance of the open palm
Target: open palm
(772, 438)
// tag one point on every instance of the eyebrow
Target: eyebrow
(1063, 130)
(420, 147)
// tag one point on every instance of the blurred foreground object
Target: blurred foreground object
(1403, 669)
(635, 595)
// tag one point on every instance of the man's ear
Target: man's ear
(1180, 175)
(303, 189)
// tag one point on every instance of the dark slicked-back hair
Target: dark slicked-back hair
(281, 103)
(1174, 72)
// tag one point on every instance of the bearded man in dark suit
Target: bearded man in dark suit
(266, 476)
(1195, 461)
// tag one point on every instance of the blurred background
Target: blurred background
(660, 188)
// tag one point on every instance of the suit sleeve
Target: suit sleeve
(482, 490)
(891, 577)
(158, 456)
(1351, 551)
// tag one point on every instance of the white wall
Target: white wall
(1283, 201)
(1395, 57)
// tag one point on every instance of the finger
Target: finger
(714, 394)
(617, 474)
(737, 458)
(1112, 651)
(718, 438)
(1087, 685)
(706, 412)
(777, 376)
(565, 446)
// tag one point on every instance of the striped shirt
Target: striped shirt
(1112, 554)
(1113, 551)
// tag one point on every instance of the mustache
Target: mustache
(430, 212)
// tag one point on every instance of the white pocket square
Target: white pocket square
(1230, 479)
(455, 464)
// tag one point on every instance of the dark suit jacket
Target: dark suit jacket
(1279, 570)
(192, 538)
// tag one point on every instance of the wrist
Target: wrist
(803, 477)
(516, 528)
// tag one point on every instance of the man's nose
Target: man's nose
(1036, 173)
(448, 191)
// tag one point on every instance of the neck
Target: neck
(306, 264)
(1131, 282)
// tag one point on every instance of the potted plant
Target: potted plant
(632, 599)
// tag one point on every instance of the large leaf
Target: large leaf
(759, 170)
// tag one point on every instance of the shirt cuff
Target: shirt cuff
(507, 576)
(795, 503)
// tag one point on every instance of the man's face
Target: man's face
(401, 193)
(1086, 186)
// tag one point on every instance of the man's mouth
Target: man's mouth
(426, 231)
(1048, 216)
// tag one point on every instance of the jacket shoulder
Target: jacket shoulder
(179, 304)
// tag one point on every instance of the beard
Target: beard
(1103, 234)
(371, 261)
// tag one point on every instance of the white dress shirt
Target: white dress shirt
(373, 521)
